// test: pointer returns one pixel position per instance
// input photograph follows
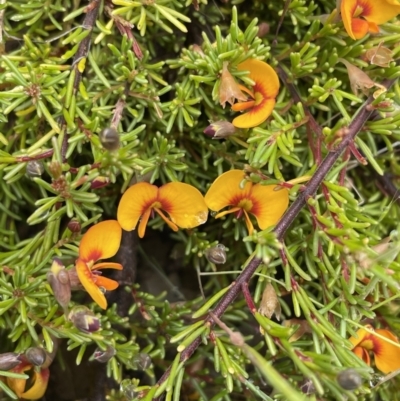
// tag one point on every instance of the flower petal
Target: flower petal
(256, 116)
(87, 280)
(362, 354)
(184, 204)
(380, 12)
(107, 265)
(134, 202)
(40, 380)
(387, 355)
(225, 190)
(101, 241)
(106, 283)
(18, 385)
(359, 28)
(361, 334)
(269, 204)
(347, 9)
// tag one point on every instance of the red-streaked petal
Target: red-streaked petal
(265, 77)
(269, 204)
(380, 12)
(256, 116)
(101, 241)
(106, 283)
(134, 203)
(87, 280)
(184, 204)
(359, 28)
(225, 190)
(107, 265)
(387, 355)
(40, 380)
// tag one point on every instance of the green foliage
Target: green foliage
(63, 81)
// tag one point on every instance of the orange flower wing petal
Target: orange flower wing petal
(362, 354)
(39, 386)
(134, 203)
(107, 265)
(387, 355)
(360, 336)
(225, 190)
(269, 205)
(256, 116)
(359, 28)
(106, 283)
(86, 279)
(101, 241)
(347, 9)
(184, 203)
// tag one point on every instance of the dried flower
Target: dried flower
(229, 90)
(109, 138)
(266, 202)
(184, 204)
(216, 254)
(9, 360)
(363, 16)
(360, 80)
(101, 241)
(379, 55)
(270, 303)
(387, 355)
(262, 95)
(34, 168)
(84, 319)
(220, 129)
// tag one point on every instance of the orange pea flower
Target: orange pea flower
(363, 16)
(266, 202)
(101, 241)
(40, 380)
(387, 355)
(262, 95)
(183, 203)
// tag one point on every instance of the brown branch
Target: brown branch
(286, 221)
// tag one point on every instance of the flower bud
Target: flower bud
(141, 361)
(349, 379)
(220, 129)
(74, 226)
(263, 29)
(9, 360)
(36, 356)
(109, 138)
(34, 168)
(229, 90)
(58, 279)
(104, 356)
(55, 170)
(216, 254)
(270, 303)
(99, 182)
(84, 319)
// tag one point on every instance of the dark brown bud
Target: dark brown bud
(36, 356)
(9, 360)
(74, 226)
(141, 361)
(58, 279)
(84, 319)
(220, 130)
(104, 356)
(34, 168)
(216, 254)
(349, 379)
(99, 182)
(263, 29)
(109, 138)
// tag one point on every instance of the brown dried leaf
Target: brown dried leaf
(270, 303)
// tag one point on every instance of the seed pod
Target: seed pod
(220, 129)
(99, 182)
(9, 360)
(216, 254)
(109, 138)
(104, 356)
(74, 226)
(84, 319)
(58, 279)
(34, 168)
(36, 356)
(349, 379)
